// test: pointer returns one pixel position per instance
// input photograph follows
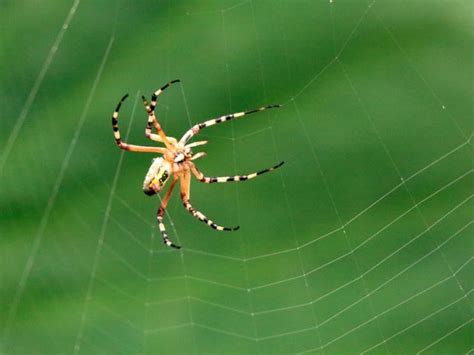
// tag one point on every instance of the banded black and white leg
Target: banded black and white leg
(196, 128)
(161, 212)
(153, 122)
(158, 92)
(185, 193)
(126, 146)
(209, 180)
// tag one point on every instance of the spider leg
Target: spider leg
(195, 144)
(185, 192)
(125, 146)
(152, 121)
(159, 91)
(209, 180)
(198, 155)
(160, 214)
(195, 129)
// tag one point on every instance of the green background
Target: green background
(361, 241)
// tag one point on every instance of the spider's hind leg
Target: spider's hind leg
(164, 235)
(185, 192)
(160, 214)
(202, 217)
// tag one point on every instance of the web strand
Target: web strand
(326, 328)
(389, 155)
(101, 239)
(55, 190)
(36, 86)
(422, 78)
(234, 160)
(314, 318)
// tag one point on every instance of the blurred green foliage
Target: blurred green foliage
(362, 239)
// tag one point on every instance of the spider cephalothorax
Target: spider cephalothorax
(176, 161)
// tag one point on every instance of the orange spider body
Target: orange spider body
(177, 161)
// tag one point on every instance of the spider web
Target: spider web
(360, 243)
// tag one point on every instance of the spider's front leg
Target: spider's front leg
(161, 134)
(158, 92)
(170, 142)
(152, 122)
(161, 212)
(185, 182)
(195, 129)
(125, 146)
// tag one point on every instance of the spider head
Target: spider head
(158, 174)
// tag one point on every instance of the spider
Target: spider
(177, 159)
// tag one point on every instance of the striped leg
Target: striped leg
(160, 214)
(153, 122)
(159, 91)
(195, 129)
(209, 180)
(185, 190)
(125, 146)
